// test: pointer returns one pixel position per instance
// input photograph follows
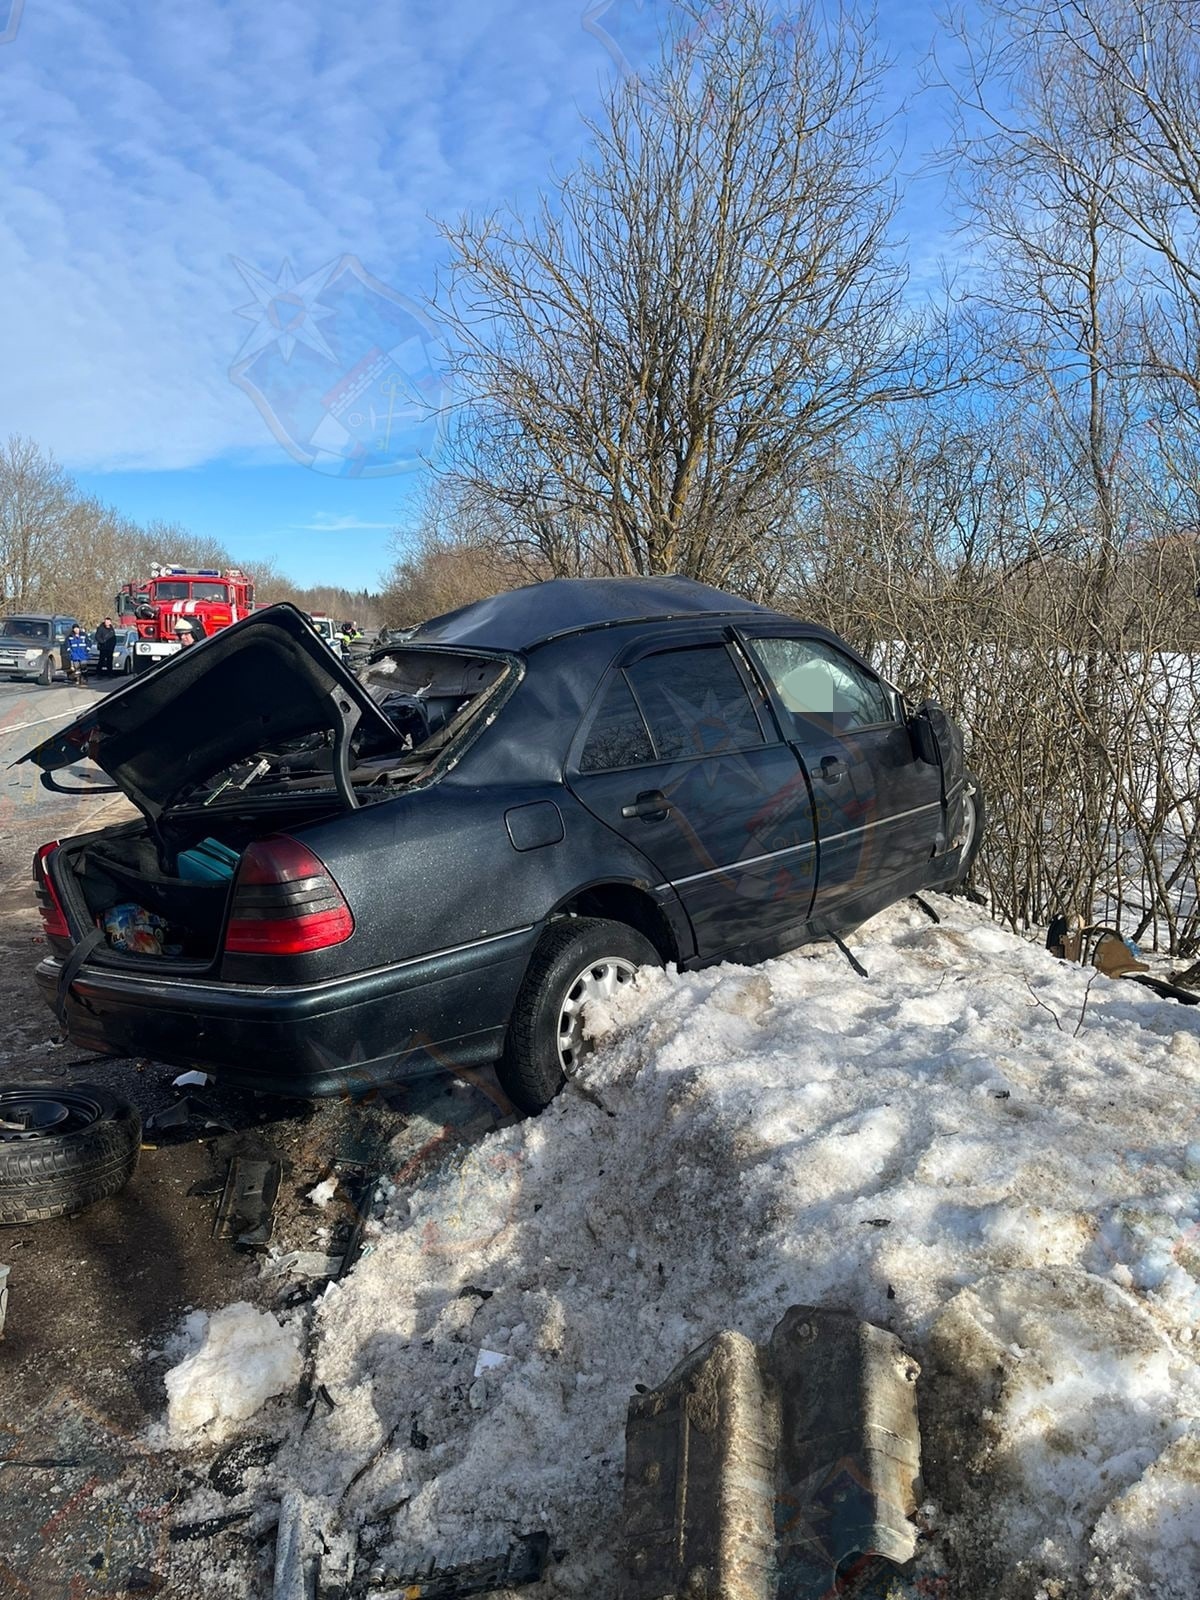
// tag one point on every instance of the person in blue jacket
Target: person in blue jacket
(77, 654)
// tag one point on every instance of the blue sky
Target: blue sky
(216, 242)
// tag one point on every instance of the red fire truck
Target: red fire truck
(203, 598)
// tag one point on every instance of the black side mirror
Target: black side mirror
(924, 742)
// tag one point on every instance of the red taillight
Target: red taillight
(285, 901)
(54, 918)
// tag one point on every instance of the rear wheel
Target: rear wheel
(579, 960)
(62, 1149)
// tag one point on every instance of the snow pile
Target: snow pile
(240, 1359)
(968, 1147)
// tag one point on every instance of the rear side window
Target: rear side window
(817, 683)
(695, 703)
(618, 736)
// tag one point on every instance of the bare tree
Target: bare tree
(656, 361)
(35, 518)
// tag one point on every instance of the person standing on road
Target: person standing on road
(106, 642)
(77, 654)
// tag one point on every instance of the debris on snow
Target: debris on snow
(486, 1359)
(1034, 1156)
(241, 1358)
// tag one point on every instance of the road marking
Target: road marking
(37, 722)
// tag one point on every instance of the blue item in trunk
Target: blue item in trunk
(210, 861)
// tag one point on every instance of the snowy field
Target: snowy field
(969, 1147)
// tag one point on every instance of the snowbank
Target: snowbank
(241, 1358)
(954, 1148)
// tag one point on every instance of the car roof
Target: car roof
(523, 618)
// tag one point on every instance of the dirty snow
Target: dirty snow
(990, 1152)
(239, 1359)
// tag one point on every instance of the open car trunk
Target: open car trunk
(165, 893)
(257, 731)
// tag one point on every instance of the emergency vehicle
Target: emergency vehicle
(203, 598)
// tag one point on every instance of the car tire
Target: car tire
(127, 667)
(975, 821)
(78, 1144)
(46, 675)
(543, 1044)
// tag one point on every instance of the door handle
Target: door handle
(651, 805)
(833, 769)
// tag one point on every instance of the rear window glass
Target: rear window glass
(26, 628)
(618, 736)
(695, 703)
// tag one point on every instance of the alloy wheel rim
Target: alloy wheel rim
(968, 824)
(599, 980)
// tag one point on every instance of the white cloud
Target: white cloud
(146, 150)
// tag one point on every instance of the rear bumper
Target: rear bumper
(343, 1036)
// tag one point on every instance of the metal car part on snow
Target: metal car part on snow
(780, 1472)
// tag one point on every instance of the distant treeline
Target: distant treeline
(63, 550)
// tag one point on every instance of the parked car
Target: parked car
(339, 883)
(123, 651)
(30, 645)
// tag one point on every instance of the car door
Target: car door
(879, 808)
(679, 754)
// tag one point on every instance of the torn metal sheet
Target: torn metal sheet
(789, 1471)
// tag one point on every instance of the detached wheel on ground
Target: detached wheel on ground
(974, 822)
(578, 960)
(62, 1149)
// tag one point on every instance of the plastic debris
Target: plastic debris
(187, 1079)
(3, 1297)
(524, 1562)
(246, 1212)
(486, 1359)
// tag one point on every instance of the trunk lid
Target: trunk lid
(260, 683)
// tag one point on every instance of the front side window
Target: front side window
(617, 737)
(818, 683)
(695, 703)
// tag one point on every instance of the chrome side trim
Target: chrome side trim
(795, 849)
